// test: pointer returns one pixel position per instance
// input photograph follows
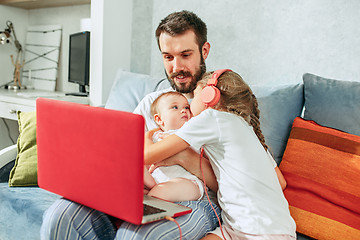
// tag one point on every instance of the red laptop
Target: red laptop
(95, 156)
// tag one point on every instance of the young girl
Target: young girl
(252, 202)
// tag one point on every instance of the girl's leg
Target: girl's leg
(194, 226)
(69, 220)
(177, 189)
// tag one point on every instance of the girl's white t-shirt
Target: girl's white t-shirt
(249, 191)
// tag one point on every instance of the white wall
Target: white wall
(69, 18)
(269, 42)
(265, 41)
(19, 18)
(110, 45)
(142, 36)
(110, 40)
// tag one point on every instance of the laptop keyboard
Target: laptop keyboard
(148, 210)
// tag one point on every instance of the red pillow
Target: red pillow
(322, 169)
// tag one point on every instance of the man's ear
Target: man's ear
(158, 120)
(205, 50)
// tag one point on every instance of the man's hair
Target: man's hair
(154, 106)
(178, 23)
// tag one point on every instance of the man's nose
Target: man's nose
(178, 65)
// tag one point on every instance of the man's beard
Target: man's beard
(183, 88)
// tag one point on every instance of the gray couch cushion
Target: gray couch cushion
(332, 103)
(129, 88)
(279, 106)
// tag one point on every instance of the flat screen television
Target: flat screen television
(79, 60)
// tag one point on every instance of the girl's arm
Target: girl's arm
(155, 152)
(172, 149)
(190, 160)
(281, 178)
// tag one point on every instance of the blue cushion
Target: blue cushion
(21, 211)
(279, 106)
(332, 103)
(129, 88)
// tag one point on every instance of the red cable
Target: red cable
(173, 220)
(202, 172)
(207, 195)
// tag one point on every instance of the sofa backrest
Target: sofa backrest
(278, 105)
(129, 88)
(332, 103)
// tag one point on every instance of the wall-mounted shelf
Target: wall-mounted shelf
(33, 4)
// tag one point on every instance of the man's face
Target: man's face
(184, 63)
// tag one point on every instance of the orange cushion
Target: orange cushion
(322, 169)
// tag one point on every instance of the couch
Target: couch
(332, 104)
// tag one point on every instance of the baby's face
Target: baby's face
(174, 111)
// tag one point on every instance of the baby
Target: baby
(173, 183)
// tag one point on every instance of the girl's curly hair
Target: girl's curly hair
(237, 98)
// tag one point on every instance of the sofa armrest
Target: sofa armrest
(7, 155)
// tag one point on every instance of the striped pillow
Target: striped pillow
(322, 169)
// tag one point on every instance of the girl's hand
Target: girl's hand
(155, 152)
(148, 137)
(190, 160)
(149, 134)
(177, 159)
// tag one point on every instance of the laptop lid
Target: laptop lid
(94, 156)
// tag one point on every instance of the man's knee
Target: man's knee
(69, 220)
(207, 212)
(51, 218)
